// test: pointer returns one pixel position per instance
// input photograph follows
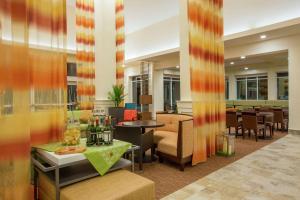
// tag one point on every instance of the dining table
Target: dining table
(143, 124)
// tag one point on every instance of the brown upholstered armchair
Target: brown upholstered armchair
(174, 141)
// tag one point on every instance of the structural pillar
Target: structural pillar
(185, 103)
(105, 51)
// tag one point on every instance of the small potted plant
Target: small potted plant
(117, 96)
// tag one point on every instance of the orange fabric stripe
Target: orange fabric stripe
(13, 150)
(207, 82)
(42, 137)
(120, 56)
(86, 90)
(88, 7)
(205, 19)
(205, 54)
(120, 40)
(209, 118)
(119, 22)
(85, 22)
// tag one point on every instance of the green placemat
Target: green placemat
(104, 157)
(101, 157)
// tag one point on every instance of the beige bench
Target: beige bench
(118, 185)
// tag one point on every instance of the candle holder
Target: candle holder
(225, 145)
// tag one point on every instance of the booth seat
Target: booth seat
(244, 104)
(117, 185)
(81, 116)
(174, 141)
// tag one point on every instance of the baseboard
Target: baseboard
(294, 132)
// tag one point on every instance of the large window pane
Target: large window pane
(71, 69)
(252, 89)
(241, 89)
(167, 95)
(282, 86)
(72, 96)
(175, 93)
(263, 89)
(171, 92)
(226, 89)
(136, 92)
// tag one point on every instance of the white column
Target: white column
(185, 90)
(105, 47)
(105, 50)
(294, 87)
(232, 87)
(158, 91)
(272, 85)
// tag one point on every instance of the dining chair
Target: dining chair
(232, 121)
(135, 136)
(250, 123)
(279, 118)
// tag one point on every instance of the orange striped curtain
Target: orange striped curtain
(85, 55)
(32, 86)
(120, 41)
(206, 50)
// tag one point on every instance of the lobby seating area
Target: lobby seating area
(149, 100)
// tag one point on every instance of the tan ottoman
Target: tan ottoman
(120, 184)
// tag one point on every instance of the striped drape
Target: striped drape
(32, 86)
(85, 55)
(120, 41)
(206, 52)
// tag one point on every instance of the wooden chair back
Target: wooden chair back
(249, 120)
(278, 115)
(231, 119)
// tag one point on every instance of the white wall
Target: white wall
(152, 39)
(290, 43)
(271, 72)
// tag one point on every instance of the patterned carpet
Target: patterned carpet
(169, 179)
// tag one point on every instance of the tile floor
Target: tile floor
(272, 172)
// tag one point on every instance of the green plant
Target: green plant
(117, 94)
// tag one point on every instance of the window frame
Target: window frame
(282, 75)
(256, 77)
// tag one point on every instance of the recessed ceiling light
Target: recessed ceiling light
(263, 37)
(177, 66)
(232, 63)
(246, 68)
(243, 57)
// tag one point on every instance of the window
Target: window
(226, 88)
(6, 99)
(139, 86)
(72, 95)
(283, 86)
(241, 88)
(252, 88)
(171, 92)
(71, 69)
(72, 85)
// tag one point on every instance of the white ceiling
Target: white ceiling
(274, 59)
(239, 15)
